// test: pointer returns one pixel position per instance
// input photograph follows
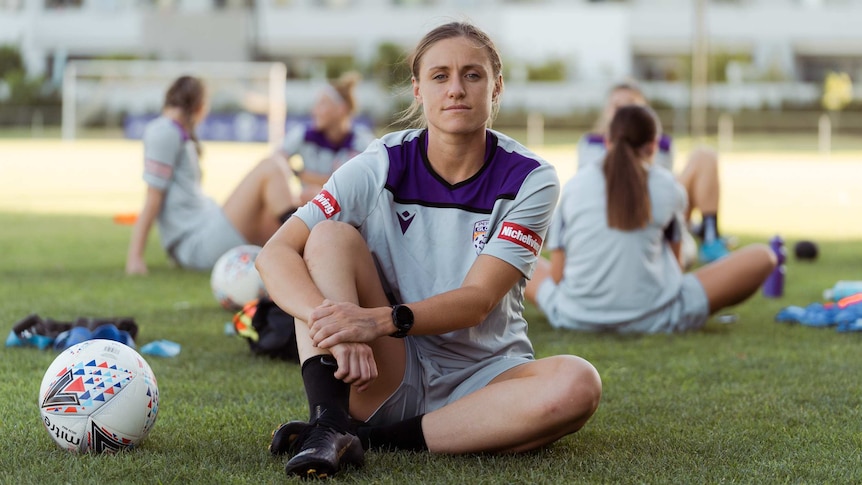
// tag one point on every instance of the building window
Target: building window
(813, 69)
(60, 4)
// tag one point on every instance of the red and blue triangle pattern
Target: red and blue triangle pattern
(84, 387)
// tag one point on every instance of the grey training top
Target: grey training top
(319, 155)
(611, 275)
(425, 234)
(171, 165)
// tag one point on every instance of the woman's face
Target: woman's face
(456, 86)
(327, 112)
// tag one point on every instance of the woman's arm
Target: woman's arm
(153, 201)
(290, 285)
(285, 273)
(488, 280)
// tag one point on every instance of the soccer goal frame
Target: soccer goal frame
(274, 74)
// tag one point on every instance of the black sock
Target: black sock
(328, 397)
(403, 435)
(286, 215)
(710, 227)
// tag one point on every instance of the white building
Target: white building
(771, 51)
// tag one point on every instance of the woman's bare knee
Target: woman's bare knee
(577, 390)
(760, 258)
(331, 236)
(736, 277)
(703, 158)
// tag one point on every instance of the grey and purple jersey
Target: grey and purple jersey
(319, 155)
(425, 234)
(591, 149)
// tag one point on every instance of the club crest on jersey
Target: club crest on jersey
(327, 203)
(521, 236)
(480, 233)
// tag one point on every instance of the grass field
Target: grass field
(751, 402)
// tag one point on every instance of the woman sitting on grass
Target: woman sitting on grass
(615, 242)
(406, 277)
(699, 177)
(330, 139)
(194, 230)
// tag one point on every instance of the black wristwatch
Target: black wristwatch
(402, 317)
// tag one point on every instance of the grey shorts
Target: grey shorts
(431, 383)
(688, 311)
(201, 248)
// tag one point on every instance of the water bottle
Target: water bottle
(842, 289)
(773, 287)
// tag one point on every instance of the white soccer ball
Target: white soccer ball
(234, 279)
(99, 396)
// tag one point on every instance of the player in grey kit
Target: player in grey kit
(194, 230)
(699, 177)
(406, 277)
(331, 138)
(614, 246)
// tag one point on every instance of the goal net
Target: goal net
(247, 99)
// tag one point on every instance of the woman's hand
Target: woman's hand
(136, 266)
(356, 365)
(334, 323)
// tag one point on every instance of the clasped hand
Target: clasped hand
(345, 329)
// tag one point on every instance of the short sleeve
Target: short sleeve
(162, 145)
(352, 192)
(518, 237)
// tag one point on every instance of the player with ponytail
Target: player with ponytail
(699, 176)
(625, 174)
(194, 230)
(614, 246)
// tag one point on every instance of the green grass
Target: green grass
(752, 402)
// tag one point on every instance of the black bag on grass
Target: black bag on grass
(268, 330)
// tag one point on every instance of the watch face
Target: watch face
(403, 317)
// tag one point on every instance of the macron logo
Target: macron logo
(327, 203)
(405, 218)
(521, 236)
